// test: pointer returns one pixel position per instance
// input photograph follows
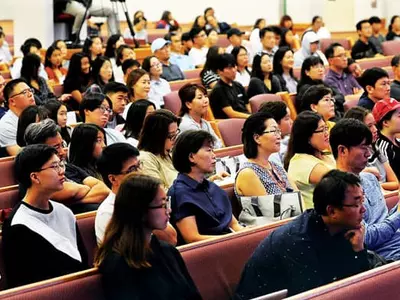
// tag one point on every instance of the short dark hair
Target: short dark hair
(185, 36)
(225, 60)
(309, 62)
(360, 23)
(395, 61)
(9, 88)
(31, 42)
(187, 93)
(329, 52)
(349, 133)
(331, 190)
(264, 30)
(146, 64)
(357, 112)
(194, 32)
(38, 133)
(120, 50)
(135, 117)
(371, 76)
(314, 19)
(189, 142)
(278, 109)
(27, 117)
(374, 20)
(115, 87)
(254, 124)
(31, 159)
(112, 159)
(313, 95)
(276, 29)
(129, 63)
(91, 101)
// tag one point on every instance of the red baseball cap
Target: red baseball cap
(383, 107)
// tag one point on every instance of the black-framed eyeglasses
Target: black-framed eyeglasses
(58, 167)
(275, 131)
(173, 136)
(324, 130)
(165, 205)
(358, 205)
(133, 168)
(24, 92)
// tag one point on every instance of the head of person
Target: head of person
(194, 100)
(310, 135)
(364, 29)
(312, 69)
(259, 23)
(31, 114)
(18, 95)
(153, 66)
(2, 37)
(102, 71)
(124, 52)
(283, 61)
(87, 143)
(198, 36)
(262, 66)
(93, 46)
(199, 21)
(118, 94)
(339, 198)
(376, 24)
(38, 167)
(135, 117)
(241, 56)
(278, 34)
(60, 44)
(336, 56)
(79, 66)
(364, 115)
(212, 21)
(353, 68)
(235, 37)
(138, 14)
(113, 42)
(394, 23)
(287, 37)
(260, 135)
(209, 11)
(226, 67)
(376, 83)
(159, 132)
(176, 41)
(187, 42)
(2, 85)
(351, 144)
(281, 114)
(212, 58)
(166, 16)
(193, 151)
(30, 67)
(45, 132)
(395, 63)
(316, 23)
(318, 98)
(53, 57)
(286, 22)
(309, 43)
(161, 49)
(387, 116)
(141, 206)
(95, 108)
(212, 37)
(116, 161)
(139, 23)
(129, 65)
(31, 45)
(267, 37)
(138, 83)
(57, 112)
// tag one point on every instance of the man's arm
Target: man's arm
(228, 110)
(13, 150)
(98, 190)
(168, 234)
(71, 193)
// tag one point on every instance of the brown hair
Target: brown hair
(187, 93)
(134, 77)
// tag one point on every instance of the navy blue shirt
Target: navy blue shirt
(206, 201)
(366, 102)
(300, 256)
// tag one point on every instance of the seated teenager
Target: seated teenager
(113, 43)
(200, 209)
(307, 160)
(378, 162)
(363, 48)
(243, 73)
(194, 106)
(133, 262)
(138, 83)
(376, 84)
(115, 162)
(56, 247)
(283, 69)
(31, 114)
(320, 246)
(158, 135)
(259, 176)
(198, 51)
(228, 98)
(208, 75)
(102, 72)
(127, 67)
(377, 38)
(53, 65)
(93, 47)
(118, 94)
(58, 113)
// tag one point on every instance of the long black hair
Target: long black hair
(135, 118)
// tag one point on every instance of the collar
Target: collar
(193, 183)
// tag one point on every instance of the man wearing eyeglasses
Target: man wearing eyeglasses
(115, 162)
(351, 141)
(18, 95)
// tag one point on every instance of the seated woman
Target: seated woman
(289, 40)
(262, 79)
(53, 65)
(158, 135)
(194, 107)
(166, 21)
(259, 176)
(58, 113)
(49, 228)
(87, 143)
(200, 208)
(243, 73)
(31, 114)
(377, 163)
(135, 118)
(139, 28)
(283, 69)
(159, 87)
(93, 47)
(307, 160)
(138, 84)
(123, 53)
(318, 98)
(208, 75)
(60, 44)
(133, 262)
(255, 35)
(102, 72)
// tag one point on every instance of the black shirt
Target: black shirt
(257, 87)
(392, 36)
(362, 50)
(366, 102)
(224, 95)
(395, 90)
(391, 151)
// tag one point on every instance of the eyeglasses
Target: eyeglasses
(327, 100)
(105, 109)
(275, 131)
(133, 168)
(24, 92)
(365, 148)
(155, 65)
(324, 130)
(165, 205)
(58, 167)
(173, 136)
(358, 205)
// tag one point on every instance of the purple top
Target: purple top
(344, 83)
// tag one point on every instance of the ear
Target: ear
(191, 158)
(188, 105)
(256, 138)
(331, 211)
(111, 178)
(370, 89)
(34, 178)
(342, 150)
(313, 107)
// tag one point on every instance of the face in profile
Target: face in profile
(158, 211)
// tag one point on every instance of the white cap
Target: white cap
(158, 44)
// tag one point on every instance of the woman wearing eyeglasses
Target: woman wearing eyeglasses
(133, 262)
(158, 135)
(261, 137)
(307, 159)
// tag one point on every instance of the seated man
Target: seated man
(345, 83)
(228, 98)
(115, 162)
(320, 246)
(41, 239)
(81, 192)
(118, 94)
(18, 96)
(376, 85)
(199, 51)
(128, 66)
(162, 50)
(183, 61)
(376, 38)
(350, 141)
(187, 43)
(395, 86)
(234, 36)
(268, 41)
(363, 48)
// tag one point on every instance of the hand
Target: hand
(219, 176)
(356, 238)
(374, 171)
(65, 97)
(357, 91)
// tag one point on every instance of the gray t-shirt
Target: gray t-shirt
(8, 129)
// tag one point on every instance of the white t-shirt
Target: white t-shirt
(8, 129)
(198, 56)
(103, 216)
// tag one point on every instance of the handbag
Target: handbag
(261, 210)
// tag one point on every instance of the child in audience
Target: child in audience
(58, 113)
(102, 72)
(138, 84)
(48, 228)
(31, 114)
(53, 65)
(283, 69)
(208, 75)
(93, 47)
(243, 73)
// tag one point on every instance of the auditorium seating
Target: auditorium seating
(191, 74)
(176, 85)
(9, 196)
(231, 131)
(229, 151)
(391, 48)
(256, 101)
(86, 228)
(325, 43)
(7, 171)
(379, 62)
(142, 53)
(172, 102)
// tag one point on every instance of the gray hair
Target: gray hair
(38, 133)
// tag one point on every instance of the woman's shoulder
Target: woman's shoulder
(113, 263)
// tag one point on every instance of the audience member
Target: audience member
(161, 50)
(288, 39)
(3, 108)
(113, 44)
(363, 48)
(139, 28)
(183, 61)
(395, 85)
(58, 113)
(53, 65)
(127, 67)
(286, 22)
(212, 37)
(93, 47)
(60, 44)
(138, 84)
(376, 85)
(118, 94)
(124, 52)
(31, 114)
(320, 246)
(208, 75)
(277, 34)
(394, 29)
(309, 47)
(102, 72)
(234, 36)
(198, 51)
(243, 73)
(353, 68)
(283, 69)
(223, 26)
(200, 22)
(228, 98)
(268, 43)
(255, 39)
(220, 27)
(166, 21)
(307, 160)
(5, 54)
(376, 38)
(47, 226)
(187, 43)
